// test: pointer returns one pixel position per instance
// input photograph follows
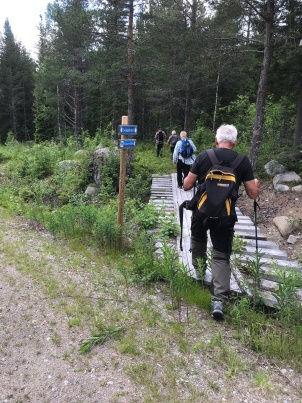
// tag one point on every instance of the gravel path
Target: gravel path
(157, 361)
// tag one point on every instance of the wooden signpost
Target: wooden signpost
(125, 144)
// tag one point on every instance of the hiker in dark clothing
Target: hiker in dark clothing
(221, 228)
(159, 137)
(183, 157)
(172, 140)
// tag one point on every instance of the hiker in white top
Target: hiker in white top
(183, 157)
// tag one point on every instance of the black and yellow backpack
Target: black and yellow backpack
(217, 195)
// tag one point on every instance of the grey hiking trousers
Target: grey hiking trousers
(221, 233)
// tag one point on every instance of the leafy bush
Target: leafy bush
(169, 228)
(147, 217)
(203, 137)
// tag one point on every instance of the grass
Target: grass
(262, 381)
(101, 336)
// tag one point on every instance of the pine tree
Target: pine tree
(16, 88)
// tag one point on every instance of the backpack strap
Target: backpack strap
(237, 161)
(212, 156)
(214, 160)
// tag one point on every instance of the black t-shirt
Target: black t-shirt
(244, 172)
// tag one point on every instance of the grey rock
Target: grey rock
(91, 190)
(281, 188)
(273, 168)
(287, 177)
(297, 188)
(292, 239)
(99, 158)
(68, 165)
(284, 225)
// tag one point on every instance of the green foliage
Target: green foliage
(290, 309)
(203, 137)
(169, 228)
(110, 177)
(85, 222)
(101, 336)
(264, 334)
(145, 267)
(240, 113)
(147, 217)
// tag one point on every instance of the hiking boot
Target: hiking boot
(217, 312)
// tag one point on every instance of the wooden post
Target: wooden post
(122, 179)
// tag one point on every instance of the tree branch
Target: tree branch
(253, 6)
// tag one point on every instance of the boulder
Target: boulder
(287, 177)
(68, 165)
(297, 188)
(284, 225)
(273, 168)
(81, 154)
(91, 190)
(99, 158)
(281, 188)
(292, 239)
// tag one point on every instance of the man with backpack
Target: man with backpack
(183, 157)
(172, 140)
(159, 137)
(220, 172)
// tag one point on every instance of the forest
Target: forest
(177, 64)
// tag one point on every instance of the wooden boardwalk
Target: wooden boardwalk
(167, 197)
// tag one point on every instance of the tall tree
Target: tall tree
(63, 67)
(16, 88)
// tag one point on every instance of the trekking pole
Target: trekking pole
(256, 205)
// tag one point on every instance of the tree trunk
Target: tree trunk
(263, 81)
(59, 114)
(130, 51)
(188, 104)
(298, 131)
(216, 98)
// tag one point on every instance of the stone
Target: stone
(284, 225)
(68, 165)
(292, 239)
(91, 190)
(273, 168)
(281, 188)
(287, 177)
(81, 154)
(100, 156)
(297, 188)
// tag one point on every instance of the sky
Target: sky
(24, 17)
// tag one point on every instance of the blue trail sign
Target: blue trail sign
(128, 130)
(127, 143)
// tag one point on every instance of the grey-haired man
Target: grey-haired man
(221, 231)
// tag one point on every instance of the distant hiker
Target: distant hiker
(172, 140)
(159, 137)
(183, 156)
(220, 172)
